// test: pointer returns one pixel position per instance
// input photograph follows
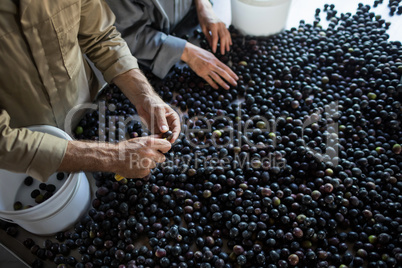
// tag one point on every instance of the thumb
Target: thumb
(207, 35)
(161, 119)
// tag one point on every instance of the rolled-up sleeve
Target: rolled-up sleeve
(166, 55)
(34, 153)
(101, 42)
(153, 48)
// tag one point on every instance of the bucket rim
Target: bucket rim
(263, 3)
(65, 204)
(33, 209)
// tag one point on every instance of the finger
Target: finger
(162, 148)
(210, 82)
(229, 43)
(159, 144)
(161, 119)
(228, 46)
(160, 157)
(147, 141)
(223, 46)
(230, 72)
(205, 30)
(147, 163)
(215, 38)
(224, 40)
(154, 136)
(150, 157)
(219, 80)
(226, 73)
(141, 173)
(159, 136)
(174, 124)
(153, 142)
(153, 164)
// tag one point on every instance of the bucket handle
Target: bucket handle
(6, 220)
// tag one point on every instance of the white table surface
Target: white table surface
(305, 9)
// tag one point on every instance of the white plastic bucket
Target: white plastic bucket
(59, 212)
(260, 17)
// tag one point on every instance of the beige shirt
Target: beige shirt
(43, 73)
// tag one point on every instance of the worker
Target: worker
(44, 75)
(146, 25)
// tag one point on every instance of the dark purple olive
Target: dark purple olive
(168, 135)
(28, 181)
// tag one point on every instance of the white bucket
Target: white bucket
(260, 17)
(59, 212)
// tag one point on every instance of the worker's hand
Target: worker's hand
(212, 27)
(157, 115)
(140, 156)
(132, 158)
(207, 66)
(154, 112)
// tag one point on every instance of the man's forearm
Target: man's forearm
(88, 156)
(134, 85)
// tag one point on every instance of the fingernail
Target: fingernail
(165, 128)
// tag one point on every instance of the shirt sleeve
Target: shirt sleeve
(101, 42)
(139, 24)
(34, 153)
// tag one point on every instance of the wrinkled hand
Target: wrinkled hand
(207, 66)
(140, 156)
(132, 158)
(157, 115)
(214, 29)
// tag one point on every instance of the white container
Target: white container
(59, 212)
(260, 17)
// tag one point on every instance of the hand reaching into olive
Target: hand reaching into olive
(154, 112)
(212, 27)
(207, 66)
